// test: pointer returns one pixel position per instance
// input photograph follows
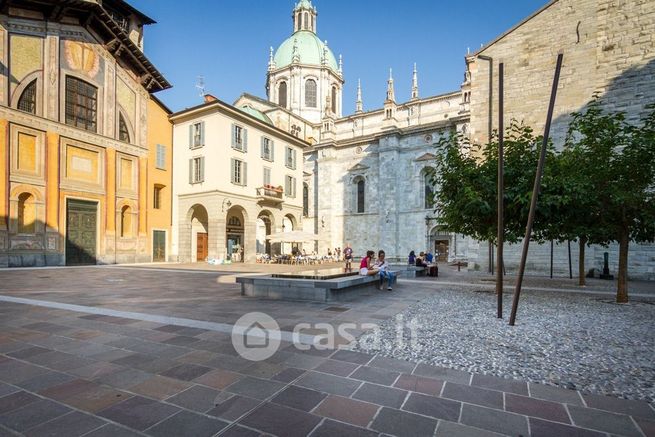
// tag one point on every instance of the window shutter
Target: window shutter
(293, 153)
(234, 135)
(244, 173)
(272, 150)
(191, 136)
(261, 144)
(202, 133)
(245, 140)
(233, 177)
(191, 171)
(202, 169)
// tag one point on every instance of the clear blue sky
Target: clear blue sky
(227, 42)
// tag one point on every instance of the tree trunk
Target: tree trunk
(622, 287)
(581, 272)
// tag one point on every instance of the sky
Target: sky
(227, 42)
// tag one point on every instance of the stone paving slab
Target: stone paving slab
(53, 376)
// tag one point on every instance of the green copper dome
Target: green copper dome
(256, 113)
(310, 51)
(304, 4)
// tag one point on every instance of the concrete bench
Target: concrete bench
(414, 271)
(324, 290)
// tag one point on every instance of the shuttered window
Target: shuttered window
(290, 158)
(160, 162)
(290, 186)
(197, 170)
(239, 138)
(197, 135)
(268, 149)
(239, 172)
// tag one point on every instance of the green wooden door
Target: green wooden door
(81, 232)
(159, 246)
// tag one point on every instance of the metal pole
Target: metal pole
(535, 191)
(570, 267)
(551, 259)
(501, 193)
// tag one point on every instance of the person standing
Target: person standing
(348, 256)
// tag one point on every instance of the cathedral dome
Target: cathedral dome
(310, 51)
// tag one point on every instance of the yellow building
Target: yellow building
(74, 125)
(160, 182)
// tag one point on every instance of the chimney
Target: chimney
(209, 98)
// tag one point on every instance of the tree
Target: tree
(618, 160)
(466, 198)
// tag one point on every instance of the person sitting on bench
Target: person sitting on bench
(366, 267)
(383, 267)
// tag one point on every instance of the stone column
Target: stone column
(51, 77)
(389, 200)
(214, 237)
(250, 241)
(4, 181)
(54, 243)
(110, 218)
(142, 250)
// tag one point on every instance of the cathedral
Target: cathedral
(364, 178)
(365, 175)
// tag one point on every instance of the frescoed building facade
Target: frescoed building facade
(74, 103)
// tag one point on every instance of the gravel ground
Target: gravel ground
(582, 342)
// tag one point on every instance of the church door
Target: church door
(81, 220)
(441, 250)
(159, 246)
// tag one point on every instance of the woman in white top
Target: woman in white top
(383, 267)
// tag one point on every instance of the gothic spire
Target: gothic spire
(271, 61)
(391, 96)
(340, 64)
(359, 106)
(296, 55)
(415, 83)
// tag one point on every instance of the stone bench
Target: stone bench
(414, 271)
(314, 290)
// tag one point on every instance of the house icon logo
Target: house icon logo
(256, 336)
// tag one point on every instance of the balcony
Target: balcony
(270, 194)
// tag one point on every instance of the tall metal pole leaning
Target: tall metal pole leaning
(535, 191)
(501, 193)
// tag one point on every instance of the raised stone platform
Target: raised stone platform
(315, 286)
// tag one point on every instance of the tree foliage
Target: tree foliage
(599, 188)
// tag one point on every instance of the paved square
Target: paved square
(148, 351)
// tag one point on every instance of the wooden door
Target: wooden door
(81, 230)
(159, 246)
(441, 248)
(202, 249)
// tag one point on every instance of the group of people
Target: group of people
(424, 259)
(369, 266)
(335, 253)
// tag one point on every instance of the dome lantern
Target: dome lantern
(304, 16)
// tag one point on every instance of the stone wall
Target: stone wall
(608, 48)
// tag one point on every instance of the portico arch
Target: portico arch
(235, 233)
(265, 226)
(196, 239)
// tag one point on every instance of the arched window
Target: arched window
(282, 95)
(123, 132)
(302, 21)
(27, 100)
(81, 104)
(26, 214)
(126, 222)
(361, 197)
(334, 100)
(305, 200)
(310, 93)
(428, 190)
(306, 20)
